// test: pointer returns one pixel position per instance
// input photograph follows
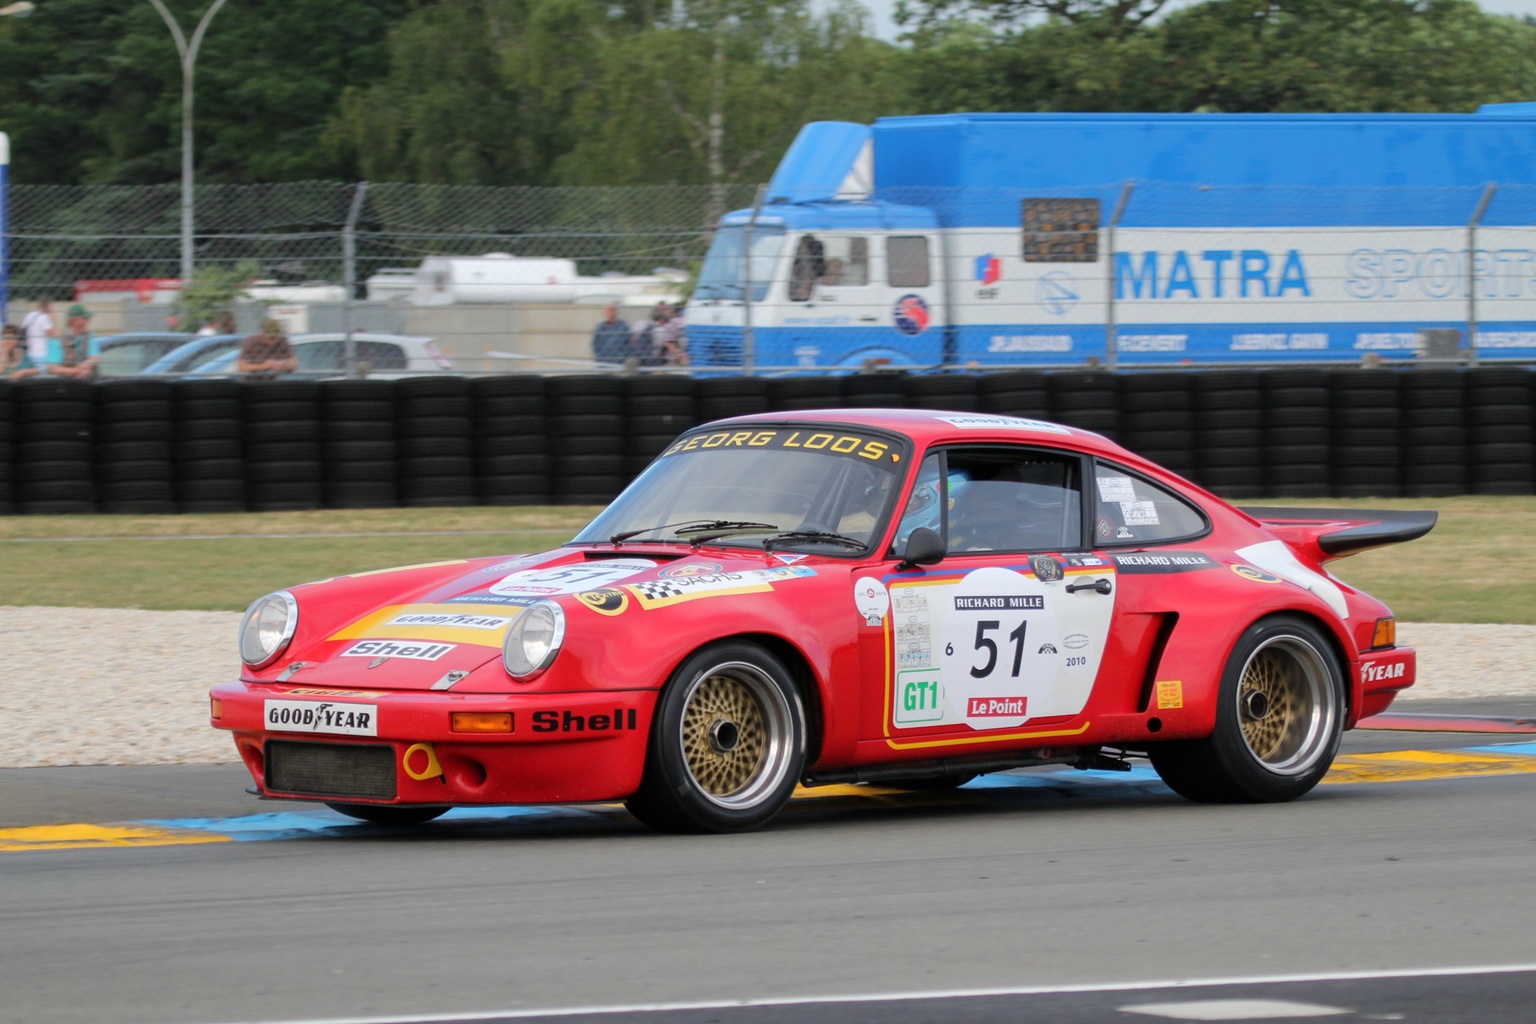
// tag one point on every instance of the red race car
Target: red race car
(907, 597)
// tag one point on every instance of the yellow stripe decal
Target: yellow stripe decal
(91, 837)
(1423, 765)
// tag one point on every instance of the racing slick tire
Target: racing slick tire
(1279, 717)
(727, 743)
(388, 814)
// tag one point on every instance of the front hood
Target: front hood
(434, 635)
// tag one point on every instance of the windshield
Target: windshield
(767, 486)
(722, 274)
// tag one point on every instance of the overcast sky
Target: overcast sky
(884, 12)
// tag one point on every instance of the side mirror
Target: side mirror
(924, 547)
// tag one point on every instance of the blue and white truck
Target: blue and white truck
(1057, 239)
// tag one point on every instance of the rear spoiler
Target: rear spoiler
(1343, 531)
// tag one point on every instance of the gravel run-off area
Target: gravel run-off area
(119, 686)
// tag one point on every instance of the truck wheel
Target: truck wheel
(388, 814)
(1279, 716)
(727, 743)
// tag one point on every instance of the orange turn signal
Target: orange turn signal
(1386, 633)
(215, 708)
(476, 721)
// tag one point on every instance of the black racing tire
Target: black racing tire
(1279, 716)
(727, 743)
(389, 814)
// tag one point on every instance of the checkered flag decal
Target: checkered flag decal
(656, 590)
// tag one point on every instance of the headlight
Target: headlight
(267, 627)
(533, 640)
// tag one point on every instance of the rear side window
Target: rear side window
(1130, 509)
(380, 355)
(906, 261)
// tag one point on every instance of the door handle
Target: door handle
(1098, 586)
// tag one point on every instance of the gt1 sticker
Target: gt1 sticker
(872, 600)
(570, 578)
(318, 716)
(992, 649)
(1139, 513)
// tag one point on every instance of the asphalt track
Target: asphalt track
(1388, 894)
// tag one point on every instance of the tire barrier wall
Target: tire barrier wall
(153, 446)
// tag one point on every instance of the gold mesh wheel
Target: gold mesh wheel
(1285, 705)
(735, 734)
(724, 735)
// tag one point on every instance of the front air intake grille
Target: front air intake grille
(331, 769)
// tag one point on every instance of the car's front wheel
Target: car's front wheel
(727, 743)
(1279, 716)
(388, 814)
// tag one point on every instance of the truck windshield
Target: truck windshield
(722, 276)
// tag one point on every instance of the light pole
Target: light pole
(188, 53)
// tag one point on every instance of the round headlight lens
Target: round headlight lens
(267, 627)
(534, 639)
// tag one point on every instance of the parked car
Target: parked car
(123, 355)
(193, 353)
(324, 355)
(908, 597)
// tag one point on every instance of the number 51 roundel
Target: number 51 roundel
(994, 648)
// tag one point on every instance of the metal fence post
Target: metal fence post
(1477, 215)
(1110, 355)
(748, 338)
(349, 274)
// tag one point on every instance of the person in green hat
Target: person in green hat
(75, 352)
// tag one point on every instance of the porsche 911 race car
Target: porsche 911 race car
(907, 597)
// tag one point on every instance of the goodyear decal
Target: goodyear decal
(480, 625)
(659, 592)
(837, 441)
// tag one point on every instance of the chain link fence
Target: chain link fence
(1118, 273)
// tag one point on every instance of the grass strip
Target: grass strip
(1478, 565)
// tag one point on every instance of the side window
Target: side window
(1012, 499)
(906, 261)
(318, 356)
(1133, 510)
(380, 355)
(810, 264)
(847, 262)
(925, 506)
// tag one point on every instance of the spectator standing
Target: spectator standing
(673, 343)
(645, 342)
(610, 341)
(40, 329)
(75, 352)
(267, 353)
(15, 363)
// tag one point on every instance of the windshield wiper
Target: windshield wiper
(692, 526)
(813, 535)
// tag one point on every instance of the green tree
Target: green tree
(92, 90)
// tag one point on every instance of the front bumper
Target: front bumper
(400, 747)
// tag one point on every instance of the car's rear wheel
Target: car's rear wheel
(388, 814)
(727, 743)
(1279, 716)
